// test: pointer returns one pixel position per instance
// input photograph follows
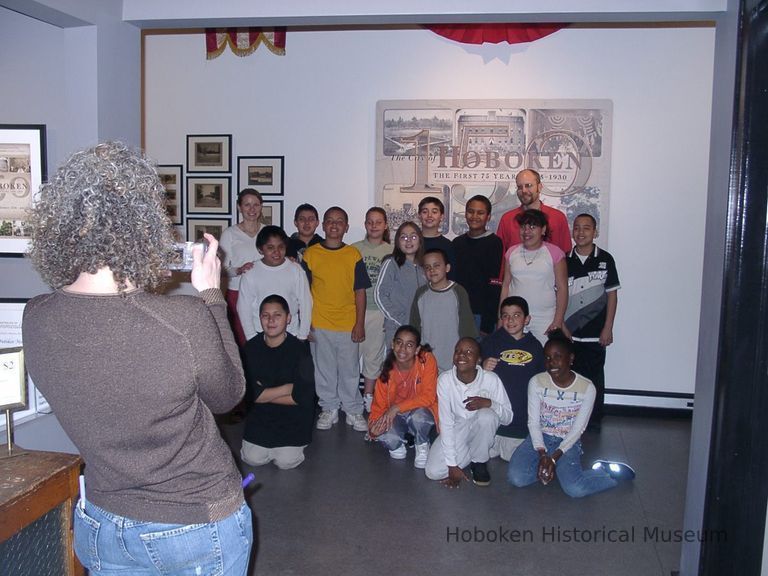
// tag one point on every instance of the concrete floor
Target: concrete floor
(350, 509)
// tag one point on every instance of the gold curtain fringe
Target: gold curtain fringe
(223, 40)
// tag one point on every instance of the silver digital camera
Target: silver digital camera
(182, 255)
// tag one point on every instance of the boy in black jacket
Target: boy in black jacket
(280, 391)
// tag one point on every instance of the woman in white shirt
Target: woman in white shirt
(238, 251)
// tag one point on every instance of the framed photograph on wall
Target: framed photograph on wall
(209, 195)
(273, 212)
(264, 173)
(170, 176)
(22, 171)
(209, 153)
(196, 227)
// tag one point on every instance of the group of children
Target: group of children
(406, 312)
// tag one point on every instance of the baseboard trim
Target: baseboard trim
(648, 399)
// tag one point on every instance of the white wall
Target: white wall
(316, 106)
(37, 87)
(81, 82)
(39, 81)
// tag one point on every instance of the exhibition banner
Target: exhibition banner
(456, 149)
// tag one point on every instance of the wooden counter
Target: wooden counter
(33, 485)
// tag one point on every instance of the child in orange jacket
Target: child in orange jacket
(405, 397)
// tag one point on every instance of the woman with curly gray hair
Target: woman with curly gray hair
(135, 377)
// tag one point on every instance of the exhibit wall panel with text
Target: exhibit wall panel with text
(456, 149)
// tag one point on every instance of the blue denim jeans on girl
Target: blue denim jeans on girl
(575, 481)
(108, 544)
(418, 422)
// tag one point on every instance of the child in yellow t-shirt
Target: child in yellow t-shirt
(339, 281)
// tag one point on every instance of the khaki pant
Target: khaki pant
(284, 457)
(372, 349)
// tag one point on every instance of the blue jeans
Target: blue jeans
(418, 422)
(575, 481)
(109, 544)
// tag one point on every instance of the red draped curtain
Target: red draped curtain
(243, 41)
(494, 33)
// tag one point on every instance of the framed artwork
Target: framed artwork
(457, 149)
(273, 212)
(264, 173)
(209, 153)
(170, 176)
(22, 170)
(196, 227)
(209, 195)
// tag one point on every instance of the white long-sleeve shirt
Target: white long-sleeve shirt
(287, 280)
(237, 248)
(560, 412)
(451, 393)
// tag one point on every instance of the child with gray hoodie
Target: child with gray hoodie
(400, 276)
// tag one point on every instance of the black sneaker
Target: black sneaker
(480, 474)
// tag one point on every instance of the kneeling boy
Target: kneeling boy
(280, 391)
(516, 356)
(471, 404)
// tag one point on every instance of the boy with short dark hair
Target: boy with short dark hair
(471, 403)
(306, 220)
(593, 283)
(280, 391)
(339, 280)
(431, 214)
(274, 274)
(440, 310)
(478, 263)
(515, 356)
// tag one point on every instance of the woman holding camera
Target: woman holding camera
(135, 377)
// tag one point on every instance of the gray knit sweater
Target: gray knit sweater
(134, 381)
(394, 293)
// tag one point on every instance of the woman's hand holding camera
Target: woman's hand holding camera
(206, 268)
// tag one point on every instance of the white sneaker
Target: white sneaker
(422, 451)
(398, 453)
(327, 419)
(358, 422)
(368, 400)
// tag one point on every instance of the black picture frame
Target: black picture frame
(23, 169)
(264, 173)
(209, 153)
(209, 195)
(171, 176)
(195, 226)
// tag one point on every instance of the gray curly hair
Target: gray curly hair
(103, 207)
